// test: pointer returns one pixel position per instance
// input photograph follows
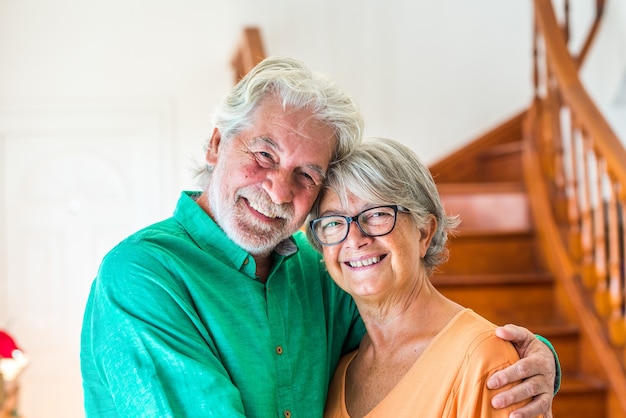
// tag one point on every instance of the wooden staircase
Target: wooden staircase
(543, 238)
(496, 264)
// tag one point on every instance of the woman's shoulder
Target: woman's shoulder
(477, 335)
(480, 339)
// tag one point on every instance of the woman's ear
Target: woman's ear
(427, 232)
(213, 148)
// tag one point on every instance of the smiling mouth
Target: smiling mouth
(262, 212)
(366, 262)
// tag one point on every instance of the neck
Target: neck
(263, 267)
(421, 317)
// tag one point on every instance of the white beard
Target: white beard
(254, 236)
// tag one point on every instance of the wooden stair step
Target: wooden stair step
(467, 163)
(502, 150)
(580, 396)
(501, 162)
(487, 207)
(515, 298)
(493, 253)
(491, 279)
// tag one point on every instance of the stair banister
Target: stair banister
(583, 164)
(248, 53)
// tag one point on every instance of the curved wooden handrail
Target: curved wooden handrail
(574, 94)
(575, 170)
(560, 263)
(593, 31)
(248, 53)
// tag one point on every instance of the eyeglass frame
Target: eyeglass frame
(355, 219)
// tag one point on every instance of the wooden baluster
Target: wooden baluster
(588, 206)
(602, 295)
(571, 186)
(535, 59)
(617, 331)
(580, 183)
(541, 68)
(621, 234)
(566, 23)
(545, 142)
(553, 154)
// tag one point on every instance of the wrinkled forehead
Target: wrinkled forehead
(295, 130)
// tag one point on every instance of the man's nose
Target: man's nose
(279, 186)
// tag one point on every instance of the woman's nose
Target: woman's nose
(355, 236)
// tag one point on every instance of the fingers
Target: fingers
(519, 336)
(535, 370)
(525, 390)
(536, 389)
(536, 358)
(538, 406)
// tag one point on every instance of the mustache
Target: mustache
(261, 202)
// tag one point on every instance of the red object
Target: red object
(7, 345)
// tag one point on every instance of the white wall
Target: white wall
(604, 72)
(432, 74)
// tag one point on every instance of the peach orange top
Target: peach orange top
(448, 380)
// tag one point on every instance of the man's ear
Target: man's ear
(213, 148)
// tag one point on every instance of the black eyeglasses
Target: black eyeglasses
(373, 222)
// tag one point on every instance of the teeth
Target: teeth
(263, 211)
(366, 262)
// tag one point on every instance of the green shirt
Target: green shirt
(177, 325)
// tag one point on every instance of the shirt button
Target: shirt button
(287, 413)
(246, 261)
(279, 350)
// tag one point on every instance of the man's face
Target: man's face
(266, 178)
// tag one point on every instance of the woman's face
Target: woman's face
(377, 268)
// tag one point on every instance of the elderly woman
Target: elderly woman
(382, 229)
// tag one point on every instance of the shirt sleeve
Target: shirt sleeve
(485, 356)
(143, 350)
(557, 364)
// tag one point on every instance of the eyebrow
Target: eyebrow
(268, 141)
(319, 170)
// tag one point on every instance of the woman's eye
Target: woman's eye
(332, 224)
(376, 217)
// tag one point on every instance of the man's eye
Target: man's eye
(307, 178)
(265, 159)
